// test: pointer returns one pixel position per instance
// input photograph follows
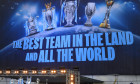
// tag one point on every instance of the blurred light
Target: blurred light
(16, 72)
(12, 81)
(20, 10)
(71, 83)
(16, 3)
(37, 80)
(34, 71)
(40, 23)
(43, 71)
(20, 80)
(25, 72)
(2, 5)
(17, 14)
(53, 71)
(71, 79)
(63, 71)
(8, 72)
(12, 8)
(28, 80)
(0, 71)
(25, 17)
(33, 9)
(71, 75)
(37, 16)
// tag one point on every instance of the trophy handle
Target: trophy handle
(76, 8)
(85, 10)
(62, 12)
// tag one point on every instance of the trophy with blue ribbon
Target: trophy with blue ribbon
(49, 17)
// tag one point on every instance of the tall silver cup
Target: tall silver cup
(89, 11)
(69, 11)
(49, 18)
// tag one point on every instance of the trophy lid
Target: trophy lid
(91, 4)
(70, 3)
(109, 2)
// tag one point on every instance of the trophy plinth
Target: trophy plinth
(49, 28)
(105, 23)
(89, 11)
(33, 31)
(88, 22)
(69, 25)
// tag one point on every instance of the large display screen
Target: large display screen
(97, 36)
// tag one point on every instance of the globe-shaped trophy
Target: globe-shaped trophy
(89, 11)
(69, 10)
(105, 23)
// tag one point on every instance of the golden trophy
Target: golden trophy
(105, 23)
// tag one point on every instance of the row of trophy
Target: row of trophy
(68, 14)
(48, 21)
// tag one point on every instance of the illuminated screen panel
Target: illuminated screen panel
(97, 36)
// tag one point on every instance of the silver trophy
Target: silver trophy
(49, 18)
(69, 11)
(31, 25)
(89, 11)
(48, 13)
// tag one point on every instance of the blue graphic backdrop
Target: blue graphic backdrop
(125, 16)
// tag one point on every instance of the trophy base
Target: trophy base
(48, 29)
(69, 25)
(32, 32)
(104, 25)
(89, 25)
